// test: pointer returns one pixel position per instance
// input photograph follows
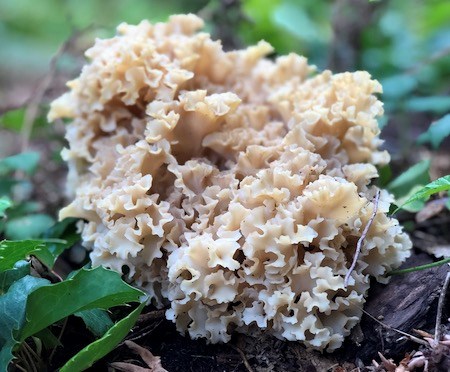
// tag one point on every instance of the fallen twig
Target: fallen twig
(361, 239)
(438, 331)
(152, 315)
(145, 331)
(431, 59)
(63, 328)
(411, 337)
(244, 358)
(32, 107)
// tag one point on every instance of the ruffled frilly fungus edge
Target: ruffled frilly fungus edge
(228, 185)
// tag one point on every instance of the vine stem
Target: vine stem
(422, 267)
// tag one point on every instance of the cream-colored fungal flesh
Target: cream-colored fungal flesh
(231, 186)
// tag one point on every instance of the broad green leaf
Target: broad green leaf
(13, 251)
(5, 203)
(441, 184)
(7, 184)
(414, 176)
(293, 18)
(12, 310)
(385, 175)
(98, 349)
(436, 104)
(26, 161)
(382, 122)
(437, 132)
(59, 229)
(13, 119)
(28, 227)
(88, 289)
(47, 337)
(65, 230)
(28, 207)
(413, 207)
(8, 277)
(398, 86)
(96, 320)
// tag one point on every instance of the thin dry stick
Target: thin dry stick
(31, 351)
(437, 331)
(28, 360)
(57, 275)
(244, 358)
(433, 58)
(63, 328)
(411, 337)
(145, 331)
(32, 109)
(19, 367)
(361, 239)
(152, 315)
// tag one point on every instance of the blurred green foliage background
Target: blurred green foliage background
(403, 44)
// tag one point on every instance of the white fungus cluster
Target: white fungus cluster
(228, 185)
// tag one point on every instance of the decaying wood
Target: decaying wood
(408, 302)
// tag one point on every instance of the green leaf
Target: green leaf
(414, 176)
(414, 206)
(7, 278)
(60, 229)
(385, 175)
(441, 184)
(65, 230)
(49, 340)
(382, 122)
(98, 349)
(7, 185)
(436, 104)
(398, 86)
(27, 207)
(13, 251)
(293, 18)
(5, 203)
(88, 289)
(13, 119)
(26, 161)
(12, 308)
(437, 132)
(28, 227)
(96, 320)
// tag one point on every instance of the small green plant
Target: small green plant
(34, 300)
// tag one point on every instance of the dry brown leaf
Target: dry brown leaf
(403, 365)
(387, 364)
(431, 209)
(422, 333)
(438, 251)
(153, 362)
(128, 367)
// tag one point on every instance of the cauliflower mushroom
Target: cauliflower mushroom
(231, 186)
